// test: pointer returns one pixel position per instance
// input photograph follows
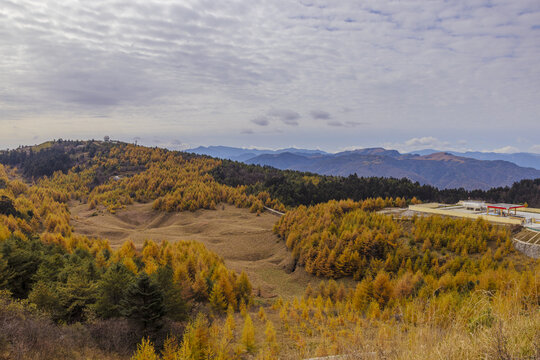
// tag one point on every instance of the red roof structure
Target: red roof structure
(502, 206)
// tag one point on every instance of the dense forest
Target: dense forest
(35, 163)
(296, 188)
(338, 239)
(390, 288)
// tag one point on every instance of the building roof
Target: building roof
(473, 202)
(505, 206)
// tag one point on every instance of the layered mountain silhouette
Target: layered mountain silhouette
(239, 154)
(440, 169)
(521, 159)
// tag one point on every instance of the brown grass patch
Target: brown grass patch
(244, 240)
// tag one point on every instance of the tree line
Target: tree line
(295, 188)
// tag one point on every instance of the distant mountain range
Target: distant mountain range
(521, 159)
(441, 169)
(238, 154)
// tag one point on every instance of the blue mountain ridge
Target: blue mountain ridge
(440, 169)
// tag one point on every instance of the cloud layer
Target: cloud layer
(332, 74)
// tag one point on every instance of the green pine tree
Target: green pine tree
(76, 295)
(174, 302)
(22, 264)
(4, 273)
(46, 297)
(112, 290)
(143, 304)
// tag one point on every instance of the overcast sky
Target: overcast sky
(333, 75)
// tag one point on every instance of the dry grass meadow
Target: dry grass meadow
(244, 240)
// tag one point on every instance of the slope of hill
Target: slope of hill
(520, 159)
(292, 188)
(442, 170)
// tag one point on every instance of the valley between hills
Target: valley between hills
(244, 240)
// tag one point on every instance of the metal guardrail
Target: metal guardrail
(275, 212)
(528, 243)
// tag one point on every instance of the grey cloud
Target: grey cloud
(261, 121)
(99, 59)
(344, 123)
(288, 117)
(247, 132)
(335, 123)
(319, 115)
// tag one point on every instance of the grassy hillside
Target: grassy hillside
(291, 188)
(218, 285)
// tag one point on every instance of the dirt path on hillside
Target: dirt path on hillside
(245, 241)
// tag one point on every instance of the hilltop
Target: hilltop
(521, 159)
